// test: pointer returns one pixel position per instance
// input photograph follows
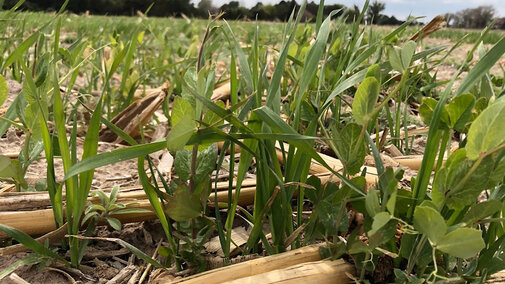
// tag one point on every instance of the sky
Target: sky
(402, 8)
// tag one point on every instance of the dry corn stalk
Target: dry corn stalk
(256, 266)
(434, 25)
(139, 111)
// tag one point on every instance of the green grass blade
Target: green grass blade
(29, 260)
(279, 126)
(273, 98)
(31, 243)
(154, 200)
(482, 67)
(90, 149)
(19, 52)
(115, 156)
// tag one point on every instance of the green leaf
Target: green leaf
(383, 233)
(482, 210)
(182, 164)
(154, 200)
(19, 52)
(180, 109)
(365, 99)
(428, 221)
(374, 71)
(426, 111)
(131, 211)
(205, 163)
(180, 133)
(372, 202)
(7, 168)
(460, 111)
(482, 67)
(379, 221)
(114, 223)
(182, 205)
(3, 90)
(487, 131)
(311, 62)
(115, 156)
(350, 153)
(462, 242)
(400, 58)
(447, 185)
(31, 243)
(31, 259)
(211, 118)
(280, 126)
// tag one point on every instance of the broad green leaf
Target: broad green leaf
(212, 118)
(182, 164)
(114, 223)
(372, 202)
(426, 111)
(180, 133)
(428, 221)
(374, 71)
(182, 205)
(349, 152)
(462, 242)
(460, 111)
(384, 233)
(482, 210)
(180, 109)
(453, 185)
(346, 84)
(326, 212)
(3, 90)
(400, 58)
(7, 169)
(379, 221)
(205, 163)
(487, 131)
(365, 99)
(408, 51)
(447, 176)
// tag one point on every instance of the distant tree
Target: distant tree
(500, 23)
(263, 12)
(205, 7)
(374, 11)
(233, 11)
(352, 13)
(284, 8)
(473, 18)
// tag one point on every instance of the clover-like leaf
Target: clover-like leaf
(487, 131)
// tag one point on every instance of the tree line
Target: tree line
(233, 10)
(469, 18)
